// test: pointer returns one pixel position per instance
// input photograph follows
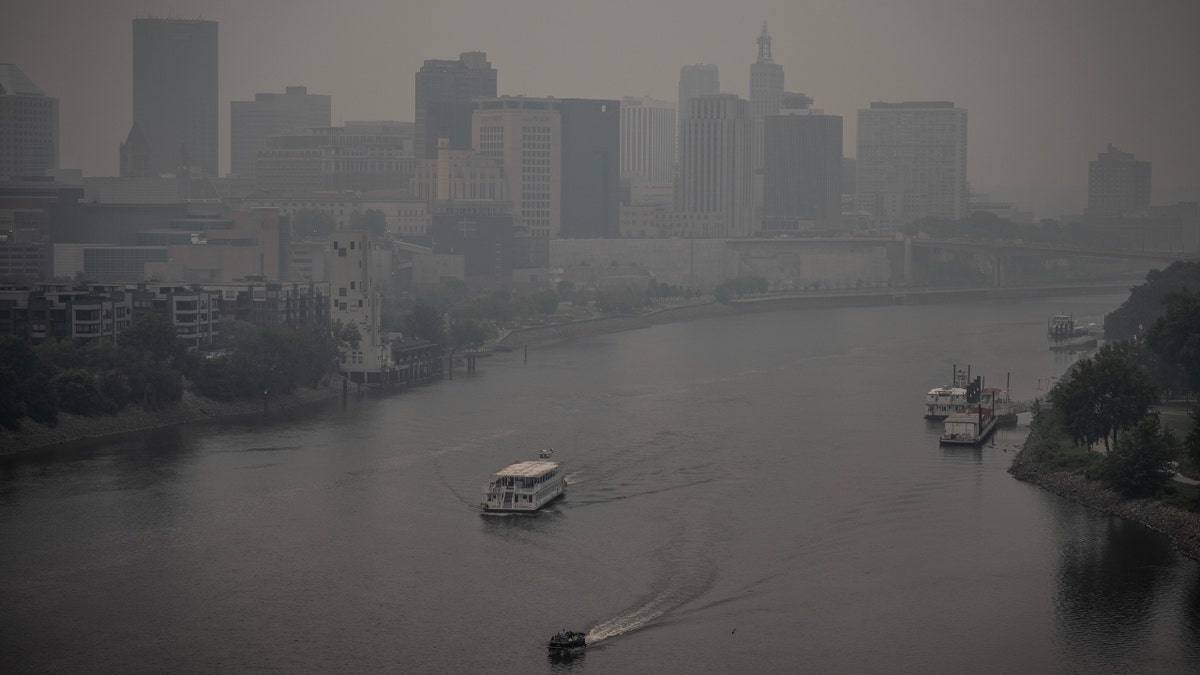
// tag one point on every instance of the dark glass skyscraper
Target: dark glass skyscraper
(591, 168)
(443, 100)
(175, 92)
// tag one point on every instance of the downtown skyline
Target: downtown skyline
(1047, 87)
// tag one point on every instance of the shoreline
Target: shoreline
(192, 408)
(1181, 527)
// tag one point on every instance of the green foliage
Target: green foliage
(312, 224)
(466, 334)
(740, 287)
(425, 322)
(1175, 336)
(1147, 301)
(372, 220)
(627, 300)
(544, 302)
(1055, 448)
(25, 389)
(1104, 394)
(1139, 464)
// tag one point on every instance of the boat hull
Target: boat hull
(969, 440)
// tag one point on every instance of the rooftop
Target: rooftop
(527, 469)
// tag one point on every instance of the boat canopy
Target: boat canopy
(527, 469)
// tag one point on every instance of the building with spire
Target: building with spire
(766, 96)
(175, 92)
(28, 125)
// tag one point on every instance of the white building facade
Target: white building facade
(912, 159)
(715, 170)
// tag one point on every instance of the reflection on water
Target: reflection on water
(1107, 589)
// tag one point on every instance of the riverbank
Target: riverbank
(1181, 527)
(191, 408)
(548, 334)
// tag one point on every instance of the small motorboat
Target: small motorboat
(567, 643)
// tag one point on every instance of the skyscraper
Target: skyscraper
(697, 79)
(175, 92)
(715, 172)
(443, 100)
(647, 140)
(766, 94)
(28, 125)
(591, 168)
(912, 159)
(802, 165)
(251, 123)
(1118, 184)
(525, 134)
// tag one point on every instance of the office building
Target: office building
(251, 123)
(444, 90)
(590, 162)
(647, 143)
(715, 172)
(697, 79)
(766, 96)
(369, 155)
(912, 160)
(1118, 184)
(175, 92)
(28, 125)
(802, 175)
(525, 136)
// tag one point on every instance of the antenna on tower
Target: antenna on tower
(764, 46)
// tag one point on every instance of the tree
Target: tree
(544, 302)
(1146, 302)
(425, 322)
(151, 354)
(372, 220)
(312, 224)
(466, 334)
(1139, 464)
(25, 389)
(1175, 336)
(1191, 446)
(1103, 395)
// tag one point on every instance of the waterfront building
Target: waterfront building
(1118, 184)
(251, 123)
(715, 171)
(444, 90)
(802, 161)
(356, 298)
(912, 159)
(590, 162)
(28, 125)
(175, 92)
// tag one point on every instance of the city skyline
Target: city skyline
(1047, 86)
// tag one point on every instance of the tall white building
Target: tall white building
(356, 295)
(251, 123)
(28, 125)
(525, 135)
(715, 171)
(697, 79)
(912, 160)
(647, 143)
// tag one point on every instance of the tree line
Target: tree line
(1107, 398)
(148, 363)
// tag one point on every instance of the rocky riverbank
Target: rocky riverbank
(192, 408)
(1181, 527)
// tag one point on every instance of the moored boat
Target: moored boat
(940, 402)
(524, 486)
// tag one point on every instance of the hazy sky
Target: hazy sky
(1046, 84)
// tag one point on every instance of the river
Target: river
(754, 493)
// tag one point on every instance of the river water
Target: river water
(756, 493)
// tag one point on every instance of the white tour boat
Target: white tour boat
(941, 402)
(524, 486)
